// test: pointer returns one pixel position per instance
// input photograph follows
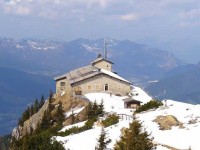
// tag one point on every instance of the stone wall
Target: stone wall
(97, 84)
(60, 88)
(104, 65)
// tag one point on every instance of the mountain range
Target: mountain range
(180, 84)
(51, 58)
(27, 67)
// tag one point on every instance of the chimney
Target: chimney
(99, 56)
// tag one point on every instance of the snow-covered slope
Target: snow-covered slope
(140, 95)
(180, 138)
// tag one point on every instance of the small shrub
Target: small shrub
(90, 123)
(150, 105)
(74, 130)
(111, 120)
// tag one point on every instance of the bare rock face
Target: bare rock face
(30, 124)
(17, 132)
(68, 102)
(166, 122)
(74, 103)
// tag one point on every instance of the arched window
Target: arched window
(106, 87)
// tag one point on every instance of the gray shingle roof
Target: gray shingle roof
(86, 72)
(130, 99)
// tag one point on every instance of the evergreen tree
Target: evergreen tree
(46, 120)
(101, 108)
(31, 110)
(41, 101)
(36, 106)
(91, 112)
(51, 107)
(103, 141)
(25, 115)
(5, 142)
(59, 115)
(94, 110)
(20, 123)
(134, 138)
(50, 96)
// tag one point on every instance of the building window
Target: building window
(62, 83)
(97, 87)
(78, 90)
(89, 87)
(106, 87)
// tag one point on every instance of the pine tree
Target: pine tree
(50, 96)
(103, 141)
(36, 106)
(20, 123)
(51, 107)
(41, 101)
(31, 110)
(134, 138)
(90, 111)
(59, 114)
(46, 120)
(101, 108)
(95, 108)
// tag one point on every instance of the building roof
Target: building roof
(86, 72)
(100, 59)
(130, 99)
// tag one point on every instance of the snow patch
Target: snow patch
(140, 95)
(80, 124)
(75, 111)
(113, 75)
(180, 138)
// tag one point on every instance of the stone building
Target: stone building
(131, 103)
(96, 77)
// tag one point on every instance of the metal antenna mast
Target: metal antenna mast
(105, 49)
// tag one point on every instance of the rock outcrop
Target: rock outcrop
(30, 124)
(166, 122)
(68, 102)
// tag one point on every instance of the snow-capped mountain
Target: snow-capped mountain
(133, 61)
(178, 136)
(51, 57)
(29, 44)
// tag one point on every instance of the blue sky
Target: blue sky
(121, 19)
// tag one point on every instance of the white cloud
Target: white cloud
(23, 10)
(11, 3)
(188, 24)
(191, 14)
(190, 18)
(130, 17)
(125, 10)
